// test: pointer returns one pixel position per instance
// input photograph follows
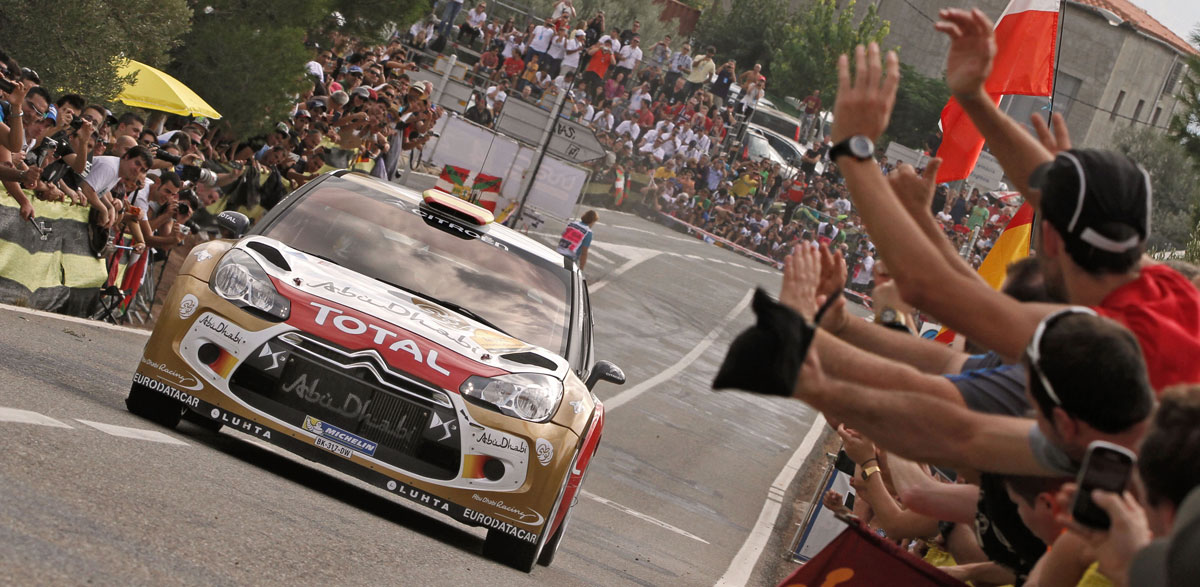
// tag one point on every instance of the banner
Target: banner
(57, 274)
(860, 558)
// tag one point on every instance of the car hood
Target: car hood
(461, 334)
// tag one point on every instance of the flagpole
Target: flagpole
(1062, 16)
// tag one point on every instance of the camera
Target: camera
(58, 146)
(162, 155)
(6, 86)
(183, 208)
(196, 174)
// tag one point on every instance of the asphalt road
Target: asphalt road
(678, 484)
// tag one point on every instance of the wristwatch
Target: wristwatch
(867, 472)
(858, 146)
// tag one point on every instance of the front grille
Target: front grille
(294, 376)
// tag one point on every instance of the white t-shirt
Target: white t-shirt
(476, 17)
(558, 47)
(864, 274)
(540, 40)
(630, 128)
(604, 121)
(629, 56)
(572, 59)
(561, 9)
(104, 173)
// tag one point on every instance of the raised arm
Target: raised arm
(925, 279)
(972, 49)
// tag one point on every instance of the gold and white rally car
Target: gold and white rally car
(404, 339)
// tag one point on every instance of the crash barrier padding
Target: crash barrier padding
(58, 274)
(724, 242)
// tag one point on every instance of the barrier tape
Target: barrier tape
(727, 243)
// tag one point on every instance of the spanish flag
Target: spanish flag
(1011, 246)
(1026, 40)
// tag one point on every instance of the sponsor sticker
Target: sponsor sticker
(529, 518)
(166, 390)
(545, 451)
(187, 306)
(576, 405)
(441, 315)
(506, 442)
(377, 335)
(223, 327)
(490, 522)
(414, 494)
(183, 380)
(202, 256)
(329, 432)
(239, 423)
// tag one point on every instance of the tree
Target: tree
(806, 59)
(366, 19)
(743, 32)
(246, 59)
(77, 46)
(1176, 183)
(919, 103)
(1185, 126)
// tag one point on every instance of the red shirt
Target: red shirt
(513, 66)
(796, 193)
(1162, 308)
(646, 118)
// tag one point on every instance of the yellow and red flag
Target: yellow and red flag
(1026, 38)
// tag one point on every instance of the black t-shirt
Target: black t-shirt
(724, 80)
(1002, 535)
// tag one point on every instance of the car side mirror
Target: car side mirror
(605, 371)
(232, 224)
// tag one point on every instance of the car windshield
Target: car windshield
(758, 148)
(779, 123)
(381, 235)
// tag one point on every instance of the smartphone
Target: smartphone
(1108, 467)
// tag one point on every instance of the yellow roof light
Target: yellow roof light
(457, 207)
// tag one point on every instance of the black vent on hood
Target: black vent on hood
(531, 359)
(269, 253)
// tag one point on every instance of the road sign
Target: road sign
(574, 142)
(522, 121)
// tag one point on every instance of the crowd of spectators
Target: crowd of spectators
(1002, 467)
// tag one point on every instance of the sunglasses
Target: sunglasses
(1034, 352)
(38, 114)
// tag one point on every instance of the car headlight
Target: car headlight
(528, 396)
(241, 280)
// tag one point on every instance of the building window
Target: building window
(1137, 111)
(1117, 106)
(1157, 113)
(1173, 76)
(1065, 90)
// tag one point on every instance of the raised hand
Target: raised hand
(832, 282)
(859, 448)
(864, 105)
(1053, 136)
(801, 274)
(915, 191)
(972, 50)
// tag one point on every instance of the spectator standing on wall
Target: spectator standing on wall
(703, 68)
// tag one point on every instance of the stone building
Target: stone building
(1118, 65)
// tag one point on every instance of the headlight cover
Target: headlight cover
(528, 396)
(241, 280)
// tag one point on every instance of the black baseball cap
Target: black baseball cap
(1101, 198)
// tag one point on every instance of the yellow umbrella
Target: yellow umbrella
(155, 90)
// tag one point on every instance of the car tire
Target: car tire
(202, 421)
(154, 406)
(511, 551)
(551, 547)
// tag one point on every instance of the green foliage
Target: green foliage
(76, 45)
(919, 103)
(743, 32)
(247, 59)
(366, 20)
(806, 58)
(1185, 126)
(1175, 180)
(1192, 253)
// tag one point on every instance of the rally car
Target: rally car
(405, 339)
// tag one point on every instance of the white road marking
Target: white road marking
(636, 256)
(28, 417)
(622, 398)
(641, 516)
(135, 433)
(65, 318)
(747, 556)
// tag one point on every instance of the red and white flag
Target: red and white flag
(1026, 39)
